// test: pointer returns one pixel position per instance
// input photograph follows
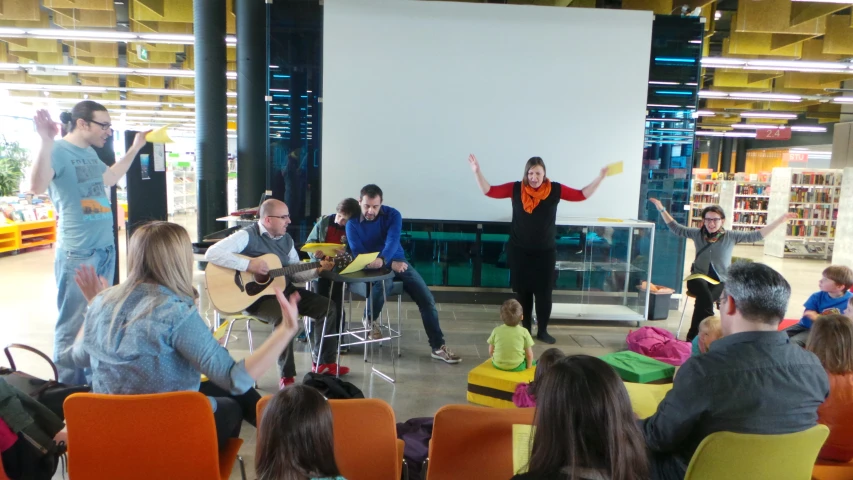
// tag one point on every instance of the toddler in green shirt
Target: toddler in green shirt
(510, 345)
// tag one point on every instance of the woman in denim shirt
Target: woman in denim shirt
(146, 335)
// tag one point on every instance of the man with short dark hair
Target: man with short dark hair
(753, 380)
(378, 230)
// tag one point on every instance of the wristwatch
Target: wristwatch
(662, 210)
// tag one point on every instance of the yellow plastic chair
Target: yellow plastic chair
(740, 456)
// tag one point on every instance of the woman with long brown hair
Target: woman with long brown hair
(145, 335)
(532, 247)
(585, 428)
(831, 339)
(296, 439)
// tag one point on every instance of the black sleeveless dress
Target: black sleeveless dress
(532, 248)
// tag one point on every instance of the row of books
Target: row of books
(753, 218)
(808, 178)
(751, 204)
(808, 195)
(752, 190)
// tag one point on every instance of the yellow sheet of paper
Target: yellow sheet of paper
(328, 249)
(645, 397)
(614, 169)
(703, 277)
(159, 136)
(360, 262)
(521, 446)
(612, 220)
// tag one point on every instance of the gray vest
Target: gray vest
(263, 244)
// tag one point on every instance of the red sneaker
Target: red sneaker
(331, 369)
(285, 381)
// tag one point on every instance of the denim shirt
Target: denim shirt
(750, 382)
(164, 351)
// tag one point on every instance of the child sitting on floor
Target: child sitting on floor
(831, 299)
(510, 345)
(525, 393)
(831, 340)
(709, 331)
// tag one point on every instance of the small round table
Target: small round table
(361, 336)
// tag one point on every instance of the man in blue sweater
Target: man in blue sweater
(378, 230)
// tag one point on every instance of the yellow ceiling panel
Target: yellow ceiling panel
(813, 50)
(162, 10)
(33, 45)
(839, 36)
(773, 16)
(14, 77)
(158, 47)
(53, 80)
(811, 81)
(183, 83)
(99, 80)
(96, 61)
(4, 53)
(92, 49)
(145, 81)
(27, 10)
(782, 40)
(78, 18)
(742, 79)
(743, 43)
(43, 21)
(144, 98)
(153, 57)
(148, 65)
(803, 12)
(80, 4)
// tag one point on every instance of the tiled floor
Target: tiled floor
(27, 302)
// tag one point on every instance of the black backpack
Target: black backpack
(331, 387)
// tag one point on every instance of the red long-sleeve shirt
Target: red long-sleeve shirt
(505, 191)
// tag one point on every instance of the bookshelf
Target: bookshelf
(745, 203)
(702, 194)
(813, 194)
(843, 246)
(180, 186)
(22, 235)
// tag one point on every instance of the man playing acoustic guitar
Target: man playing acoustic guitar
(269, 235)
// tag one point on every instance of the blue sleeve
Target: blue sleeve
(392, 236)
(354, 237)
(813, 303)
(194, 342)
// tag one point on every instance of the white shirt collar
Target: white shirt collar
(264, 231)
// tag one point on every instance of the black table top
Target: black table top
(362, 276)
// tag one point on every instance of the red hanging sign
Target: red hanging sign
(773, 134)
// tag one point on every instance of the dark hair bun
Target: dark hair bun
(65, 117)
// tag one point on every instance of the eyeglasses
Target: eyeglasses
(104, 126)
(713, 220)
(283, 217)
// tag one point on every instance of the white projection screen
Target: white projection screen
(410, 88)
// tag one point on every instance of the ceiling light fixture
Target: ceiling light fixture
(103, 36)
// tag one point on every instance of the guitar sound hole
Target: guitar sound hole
(262, 279)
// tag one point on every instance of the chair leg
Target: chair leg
(681, 322)
(228, 333)
(249, 335)
(399, 324)
(242, 467)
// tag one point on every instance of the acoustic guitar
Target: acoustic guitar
(232, 291)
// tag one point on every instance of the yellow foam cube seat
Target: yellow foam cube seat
(491, 387)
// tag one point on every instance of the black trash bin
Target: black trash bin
(658, 305)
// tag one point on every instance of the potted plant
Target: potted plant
(14, 159)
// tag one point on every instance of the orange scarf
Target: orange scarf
(530, 197)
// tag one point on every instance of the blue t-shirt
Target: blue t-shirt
(695, 349)
(77, 191)
(822, 303)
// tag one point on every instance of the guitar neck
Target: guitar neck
(291, 269)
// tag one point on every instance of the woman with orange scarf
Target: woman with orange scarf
(532, 249)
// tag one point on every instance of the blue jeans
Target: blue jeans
(72, 304)
(414, 285)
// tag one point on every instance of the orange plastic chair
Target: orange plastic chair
(3, 472)
(366, 444)
(140, 437)
(826, 470)
(473, 442)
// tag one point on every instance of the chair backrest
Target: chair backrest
(740, 456)
(165, 435)
(260, 407)
(365, 438)
(474, 442)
